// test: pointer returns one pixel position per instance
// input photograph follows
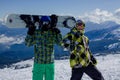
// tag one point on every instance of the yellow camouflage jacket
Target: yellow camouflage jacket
(78, 45)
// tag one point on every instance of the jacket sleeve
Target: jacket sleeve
(58, 39)
(93, 59)
(30, 40)
(66, 42)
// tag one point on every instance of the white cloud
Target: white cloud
(10, 40)
(117, 13)
(99, 16)
(4, 39)
(0, 20)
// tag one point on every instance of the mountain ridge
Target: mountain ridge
(15, 50)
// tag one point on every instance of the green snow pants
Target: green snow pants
(43, 71)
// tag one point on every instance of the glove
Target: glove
(93, 59)
(53, 20)
(31, 30)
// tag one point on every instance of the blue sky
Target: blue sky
(67, 7)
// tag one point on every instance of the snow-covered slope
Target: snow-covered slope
(109, 65)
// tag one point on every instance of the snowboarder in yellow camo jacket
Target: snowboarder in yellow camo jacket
(81, 58)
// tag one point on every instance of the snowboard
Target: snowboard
(25, 20)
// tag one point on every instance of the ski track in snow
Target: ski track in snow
(109, 65)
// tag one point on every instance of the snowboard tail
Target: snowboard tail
(25, 20)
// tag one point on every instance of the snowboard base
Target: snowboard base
(24, 20)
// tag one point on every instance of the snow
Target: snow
(116, 32)
(107, 64)
(114, 45)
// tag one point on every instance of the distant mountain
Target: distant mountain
(97, 26)
(111, 32)
(12, 48)
(105, 40)
(0, 22)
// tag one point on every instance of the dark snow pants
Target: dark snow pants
(90, 70)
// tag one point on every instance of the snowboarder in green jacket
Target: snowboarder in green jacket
(81, 58)
(43, 40)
